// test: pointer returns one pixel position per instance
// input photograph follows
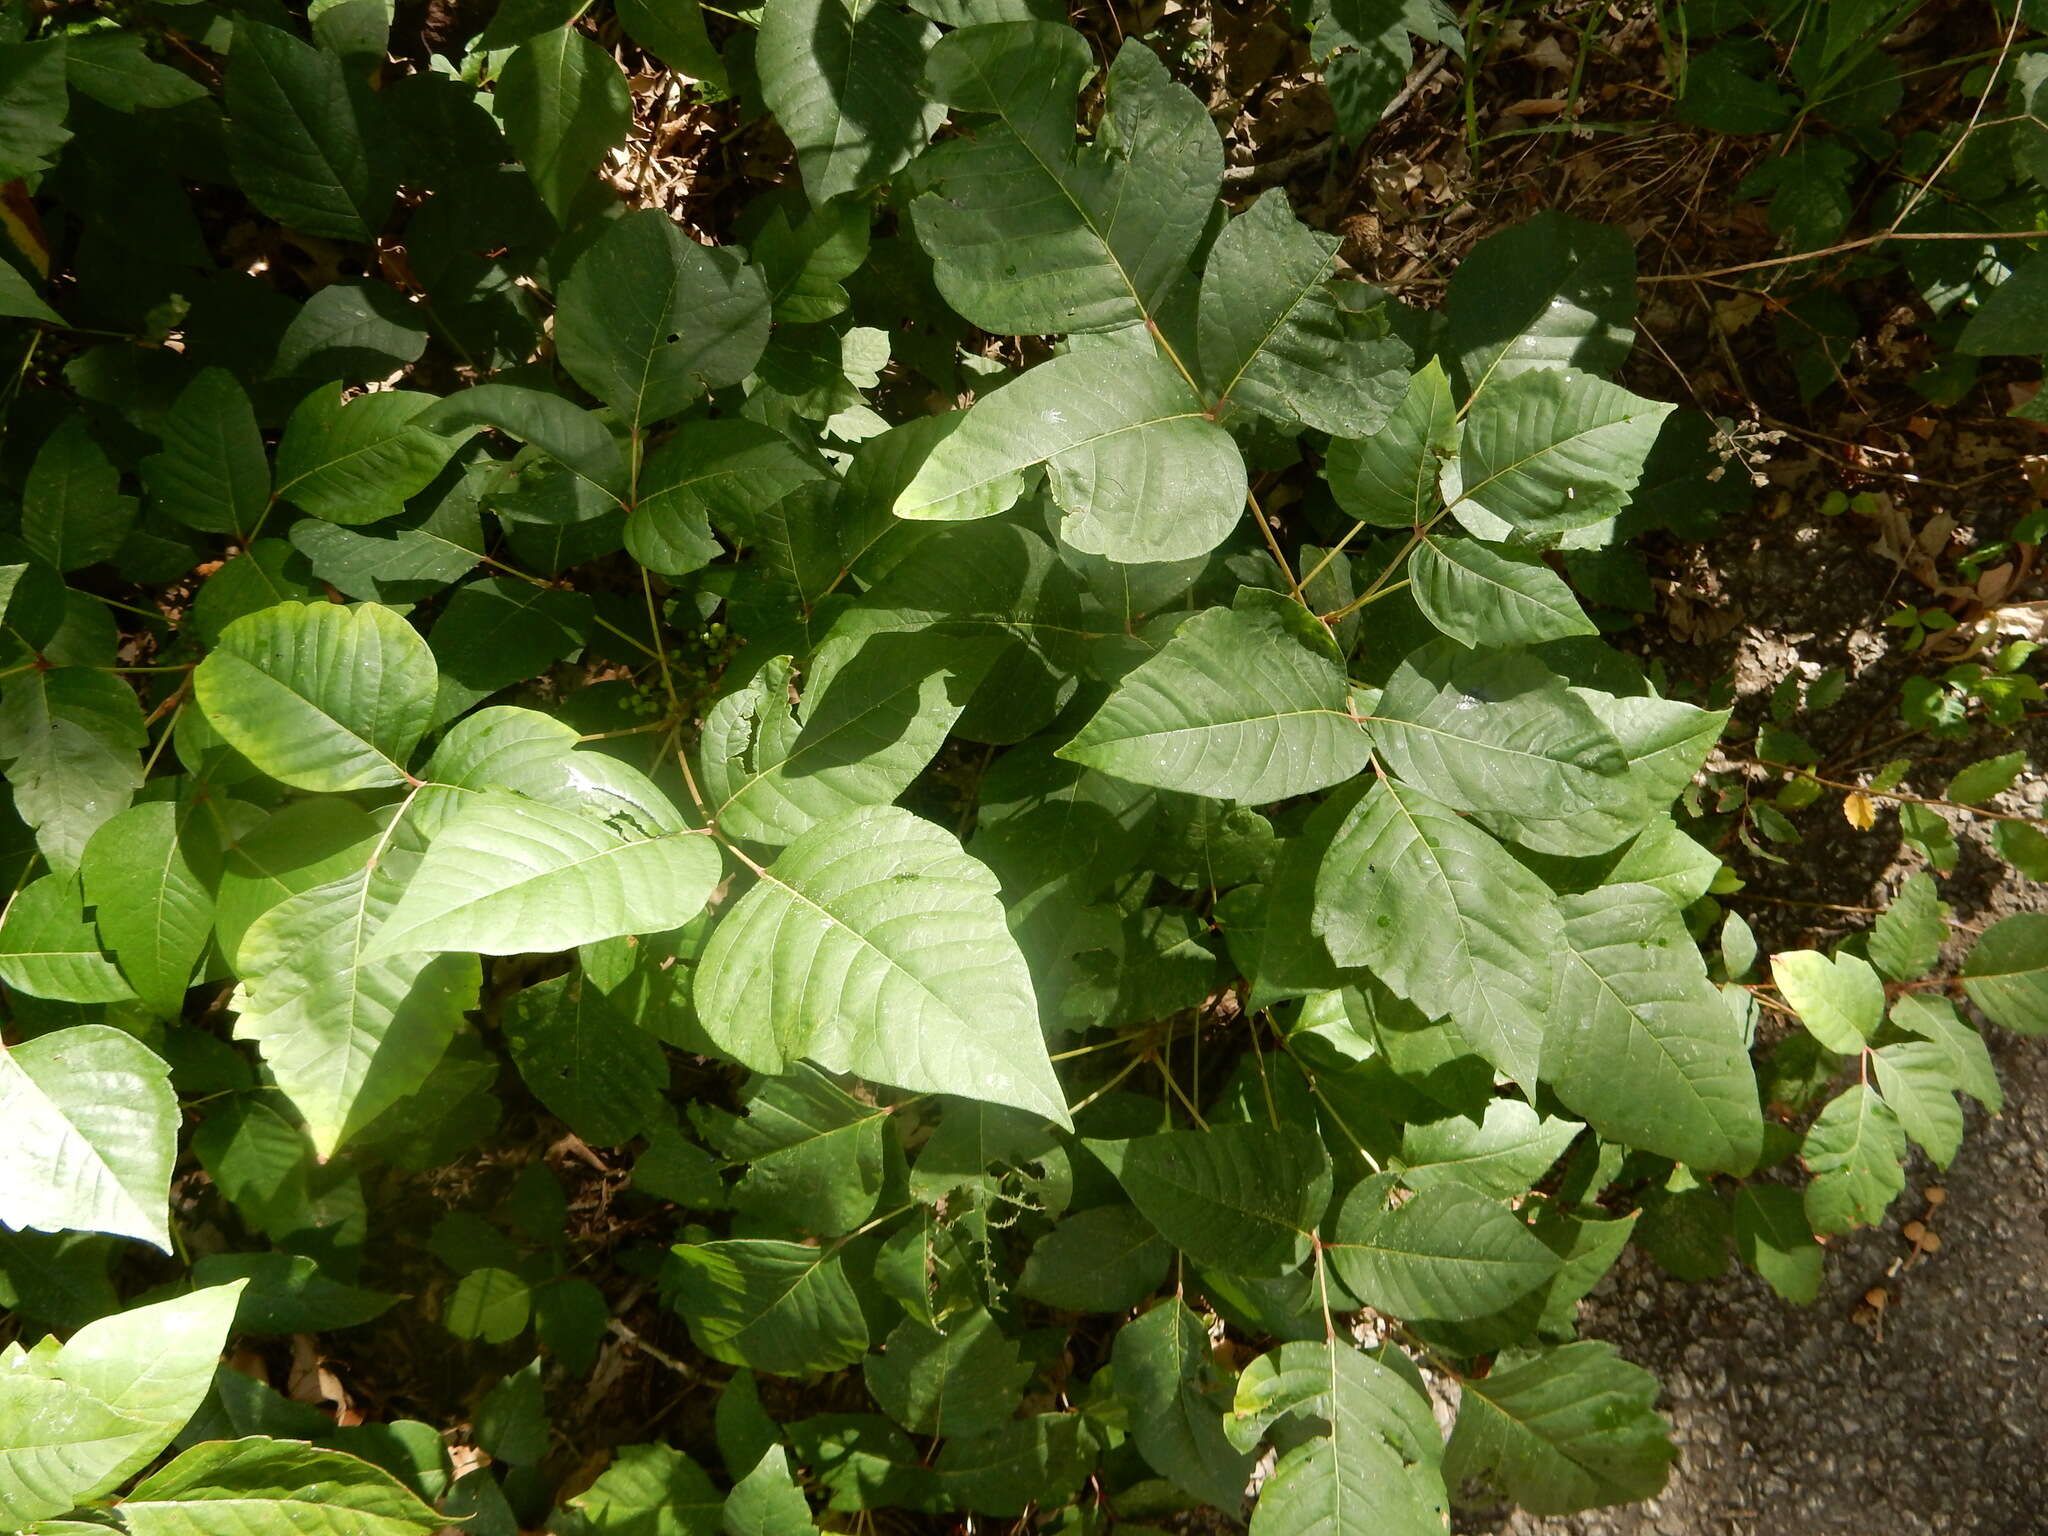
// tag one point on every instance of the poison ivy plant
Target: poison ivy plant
(956, 776)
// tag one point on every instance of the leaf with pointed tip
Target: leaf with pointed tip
(355, 461)
(1274, 339)
(149, 875)
(92, 1130)
(650, 319)
(1549, 293)
(2006, 973)
(49, 948)
(845, 78)
(966, 1380)
(320, 696)
(1238, 1197)
(1496, 731)
(1443, 915)
(564, 104)
(297, 148)
(767, 1501)
(875, 945)
(1563, 1430)
(1481, 594)
(873, 713)
(1839, 999)
(1773, 1239)
(1552, 449)
(1965, 1059)
(346, 1036)
(648, 1490)
(1640, 1042)
(1854, 1151)
(1917, 1081)
(1906, 939)
(1503, 1152)
(77, 1420)
(602, 1074)
(574, 438)
(212, 472)
(512, 876)
(1246, 703)
(776, 1306)
(1028, 234)
(814, 1153)
(263, 1487)
(1389, 479)
(69, 739)
(1446, 1253)
(1164, 1378)
(1363, 1455)
(72, 511)
(1140, 470)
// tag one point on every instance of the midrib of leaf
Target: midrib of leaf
(1287, 314)
(322, 711)
(1466, 493)
(667, 309)
(353, 453)
(1472, 744)
(1636, 1026)
(317, 147)
(1435, 546)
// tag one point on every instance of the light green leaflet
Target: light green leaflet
(875, 945)
(1244, 703)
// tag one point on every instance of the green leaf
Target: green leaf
(69, 739)
(873, 713)
(1551, 449)
(767, 1501)
(510, 875)
(673, 31)
(844, 79)
(496, 632)
(1273, 338)
(320, 696)
(1042, 1459)
(1442, 914)
(1363, 1456)
(1853, 1152)
(605, 1077)
(1100, 1260)
(287, 1293)
(1554, 292)
(77, 1420)
(577, 439)
(564, 105)
(2007, 973)
(1498, 732)
(1237, 1197)
(1245, 703)
(1906, 939)
(1917, 1080)
(775, 1306)
(1029, 235)
(297, 148)
(1562, 1430)
(1141, 471)
(1163, 1376)
(1839, 1000)
(1982, 780)
(359, 460)
(649, 319)
(113, 69)
(92, 1131)
(1641, 1043)
(1773, 1239)
(1480, 594)
(648, 1490)
(928, 991)
(48, 947)
(212, 472)
(152, 903)
(814, 1152)
(344, 1036)
(1389, 479)
(1445, 1253)
(1966, 1061)
(303, 844)
(72, 512)
(19, 301)
(2013, 319)
(490, 1304)
(1503, 1153)
(352, 331)
(966, 1380)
